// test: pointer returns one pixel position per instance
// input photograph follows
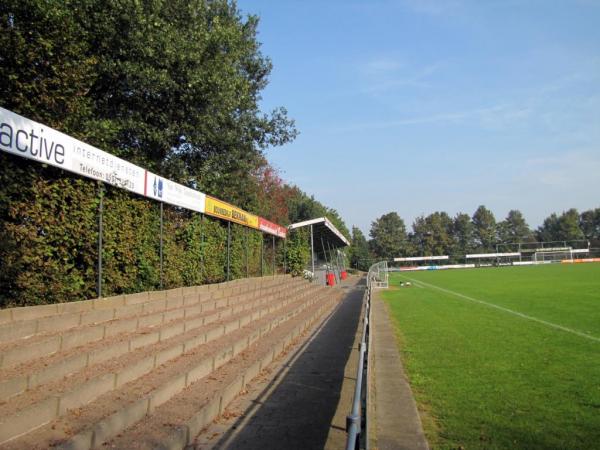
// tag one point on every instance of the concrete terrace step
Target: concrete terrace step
(19, 323)
(178, 421)
(127, 318)
(121, 366)
(161, 344)
(53, 367)
(148, 389)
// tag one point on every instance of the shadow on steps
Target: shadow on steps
(295, 410)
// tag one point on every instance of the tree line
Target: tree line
(440, 234)
(173, 86)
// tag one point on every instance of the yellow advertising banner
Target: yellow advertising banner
(225, 211)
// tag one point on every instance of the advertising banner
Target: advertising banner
(222, 210)
(23, 137)
(168, 191)
(26, 138)
(272, 228)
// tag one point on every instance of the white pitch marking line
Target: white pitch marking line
(510, 311)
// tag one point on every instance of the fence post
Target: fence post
(161, 246)
(262, 251)
(273, 237)
(228, 248)
(201, 247)
(100, 232)
(284, 256)
(247, 269)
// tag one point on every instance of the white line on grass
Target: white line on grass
(510, 311)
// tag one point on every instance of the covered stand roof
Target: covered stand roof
(323, 228)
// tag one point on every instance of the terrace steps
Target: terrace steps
(83, 395)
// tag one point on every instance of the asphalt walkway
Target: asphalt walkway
(303, 403)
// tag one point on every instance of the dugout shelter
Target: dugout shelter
(327, 262)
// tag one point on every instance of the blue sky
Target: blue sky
(421, 106)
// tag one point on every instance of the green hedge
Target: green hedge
(49, 240)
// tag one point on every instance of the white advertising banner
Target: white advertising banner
(23, 137)
(168, 191)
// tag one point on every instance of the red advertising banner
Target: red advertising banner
(272, 228)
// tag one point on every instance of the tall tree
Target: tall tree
(173, 86)
(565, 227)
(589, 222)
(462, 235)
(360, 257)
(484, 224)
(568, 226)
(432, 235)
(549, 230)
(388, 236)
(514, 228)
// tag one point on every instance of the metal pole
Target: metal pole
(273, 255)
(201, 245)
(100, 231)
(285, 256)
(312, 251)
(247, 271)
(228, 249)
(161, 245)
(326, 262)
(262, 251)
(333, 263)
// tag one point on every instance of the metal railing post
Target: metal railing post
(262, 251)
(228, 249)
(284, 256)
(100, 232)
(161, 246)
(273, 255)
(246, 242)
(201, 246)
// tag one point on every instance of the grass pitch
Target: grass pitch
(504, 357)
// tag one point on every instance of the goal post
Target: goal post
(378, 275)
(550, 255)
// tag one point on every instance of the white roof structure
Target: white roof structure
(323, 228)
(421, 258)
(492, 255)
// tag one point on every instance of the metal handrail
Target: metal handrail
(356, 422)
